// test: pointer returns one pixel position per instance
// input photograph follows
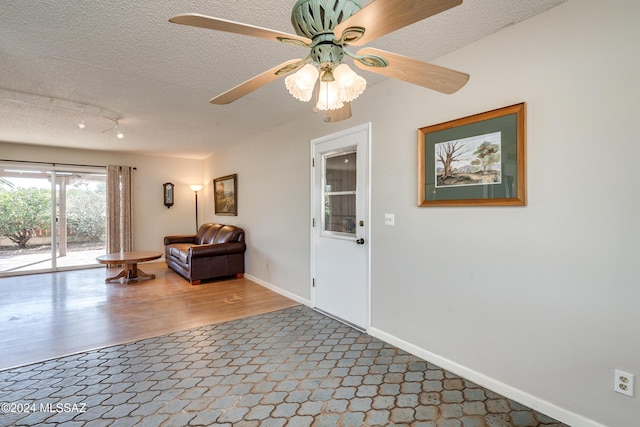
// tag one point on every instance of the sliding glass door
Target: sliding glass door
(82, 218)
(51, 218)
(25, 221)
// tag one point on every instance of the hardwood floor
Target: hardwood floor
(49, 315)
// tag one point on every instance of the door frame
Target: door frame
(367, 214)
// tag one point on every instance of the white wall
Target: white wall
(273, 205)
(538, 302)
(540, 298)
(152, 220)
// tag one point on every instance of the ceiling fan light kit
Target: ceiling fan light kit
(327, 27)
(335, 88)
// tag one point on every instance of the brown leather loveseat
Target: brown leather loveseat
(217, 250)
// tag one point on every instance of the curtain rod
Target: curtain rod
(57, 164)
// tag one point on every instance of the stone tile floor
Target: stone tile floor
(293, 367)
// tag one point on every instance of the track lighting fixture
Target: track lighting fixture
(115, 126)
(119, 134)
(81, 110)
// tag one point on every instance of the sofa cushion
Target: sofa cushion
(226, 234)
(217, 249)
(200, 234)
(180, 251)
(209, 235)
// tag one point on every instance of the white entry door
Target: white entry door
(340, 211)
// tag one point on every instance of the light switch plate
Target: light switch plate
(389, 219)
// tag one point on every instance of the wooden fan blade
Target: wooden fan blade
(256, 82)
(419, 73)
(381, 17)
(338, 115)
(211, 23)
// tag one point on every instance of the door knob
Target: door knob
(360, 241)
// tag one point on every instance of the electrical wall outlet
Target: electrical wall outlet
(389, 219)
(623, 382)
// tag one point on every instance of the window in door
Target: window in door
(340, 193)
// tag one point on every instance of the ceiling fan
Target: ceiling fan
(327, 27)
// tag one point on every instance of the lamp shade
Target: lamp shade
(301, 83)
(329, 96)
(196, 187)
(351, 85)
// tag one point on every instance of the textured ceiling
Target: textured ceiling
(122, 60)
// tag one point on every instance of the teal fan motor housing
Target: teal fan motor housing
(316, 20)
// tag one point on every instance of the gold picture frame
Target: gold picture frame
(225, 195)
(477, 160)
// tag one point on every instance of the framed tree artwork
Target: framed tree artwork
(474, 161)
(225, 192)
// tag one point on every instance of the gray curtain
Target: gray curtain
(119, 224)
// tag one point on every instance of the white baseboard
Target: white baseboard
(533, 402)
(278, 290)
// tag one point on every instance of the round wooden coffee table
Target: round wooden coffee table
(129, 261)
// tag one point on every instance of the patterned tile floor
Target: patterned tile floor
(293, 367)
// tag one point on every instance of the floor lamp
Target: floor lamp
(196, 188)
